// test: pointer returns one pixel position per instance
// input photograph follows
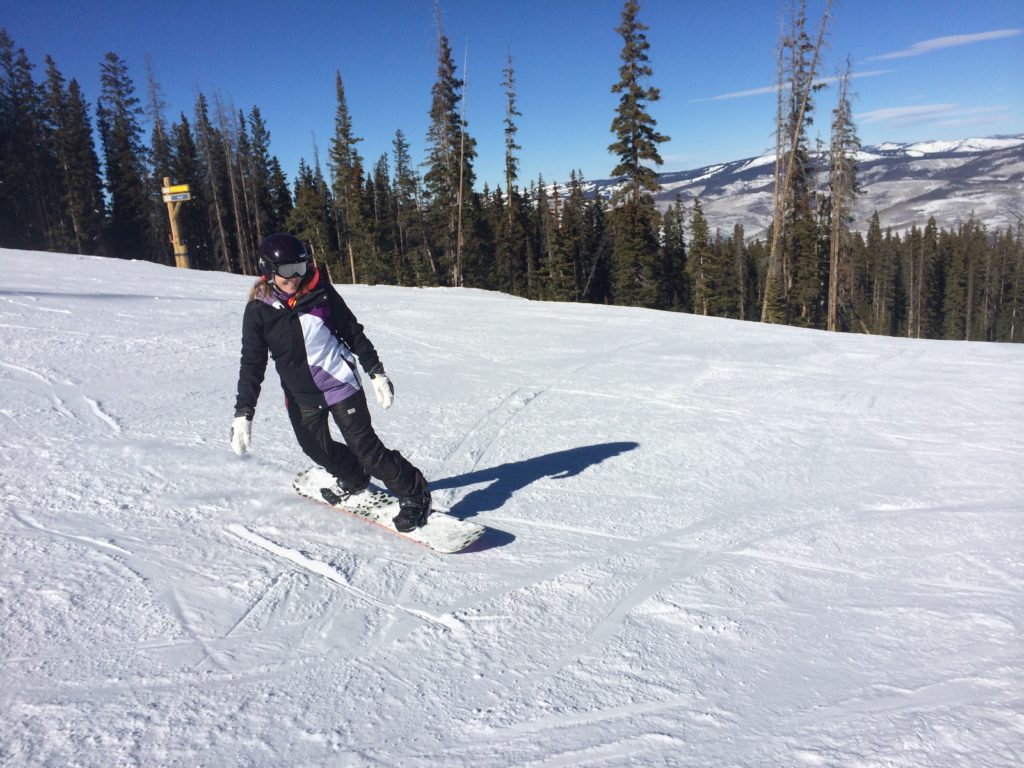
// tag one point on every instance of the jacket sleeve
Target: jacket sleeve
(254, 361)
(351, 332)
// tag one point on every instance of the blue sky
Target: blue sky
(924, 69)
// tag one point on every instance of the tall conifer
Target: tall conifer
(844, 187)
(28, 213)
(636, 221)
(450, 153)
(118, 113)
(80, 189)
(636, 140)
(511, 161)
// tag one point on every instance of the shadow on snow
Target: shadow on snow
(505, 479)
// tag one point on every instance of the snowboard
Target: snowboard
(441, 533)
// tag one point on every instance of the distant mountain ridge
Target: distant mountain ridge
(905, 183)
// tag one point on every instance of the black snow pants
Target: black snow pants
(361, 454)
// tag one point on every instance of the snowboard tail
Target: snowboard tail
(441, 533)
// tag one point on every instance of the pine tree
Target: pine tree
(231, 141)
(404, 193)
(385, 221)
(540, 240)
(636, 222)
(675, 283)
(159, 169)
(264, 167)
(874, 280)
(726, 296)
(723, 281)
(244, 165)
(636, 140)
(311, 221)
(698, 262)
(28, 216)
(512, 246)
(597, 287)
(1012, 307)
(346, 168)
(80, 188)
(214, 184)
(882, 267)
(511, 161)
(974, 239)
(563, 245)
(745, 273)
(450, 152)
(478, 243)
(911, 269)
(844, 187)
(375, 226)
(1007, 291)
(931, 284)
(757, 270)
(280, 197)
(118, 114)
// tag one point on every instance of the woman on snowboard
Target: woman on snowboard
(297, 315)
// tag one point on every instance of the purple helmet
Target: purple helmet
(281, 249)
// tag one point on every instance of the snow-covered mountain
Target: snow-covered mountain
(905, 183)
(711, 543)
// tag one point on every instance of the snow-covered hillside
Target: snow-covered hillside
(905, 183)
(712, 543)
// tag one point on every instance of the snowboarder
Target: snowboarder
(297, 315)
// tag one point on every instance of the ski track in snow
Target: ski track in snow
(712, 543)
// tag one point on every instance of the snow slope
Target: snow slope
(713, 543)
(904, 183)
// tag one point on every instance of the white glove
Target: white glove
(384, 390)
(241, 434)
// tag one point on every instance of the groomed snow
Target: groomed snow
(712, 543)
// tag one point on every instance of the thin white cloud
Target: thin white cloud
(905, 115)
(952, 41)
(741, 94)
(996, 117)
(939, 114)
(775, 88)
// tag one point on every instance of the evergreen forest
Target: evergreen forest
(86, 178)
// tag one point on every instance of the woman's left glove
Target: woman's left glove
(382, 386)
(241, 432)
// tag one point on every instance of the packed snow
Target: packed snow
(711, 543)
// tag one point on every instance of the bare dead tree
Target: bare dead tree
(211, 179)
(244, 162)
(462, 168)
(511, 163)
(774, 276)
(229, 133)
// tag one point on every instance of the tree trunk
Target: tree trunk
(229, 140)
(773, 254)
(211, 179)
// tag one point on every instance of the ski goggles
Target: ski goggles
(295, 269)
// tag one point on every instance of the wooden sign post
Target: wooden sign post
(174, 196)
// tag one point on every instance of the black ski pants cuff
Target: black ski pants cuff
(361, 453)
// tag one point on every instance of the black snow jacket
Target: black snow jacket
(312, 338)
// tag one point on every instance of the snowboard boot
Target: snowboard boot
(413, 511)
(350, 488)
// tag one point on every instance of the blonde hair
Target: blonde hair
(260, 289)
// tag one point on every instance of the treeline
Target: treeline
(385, 222)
